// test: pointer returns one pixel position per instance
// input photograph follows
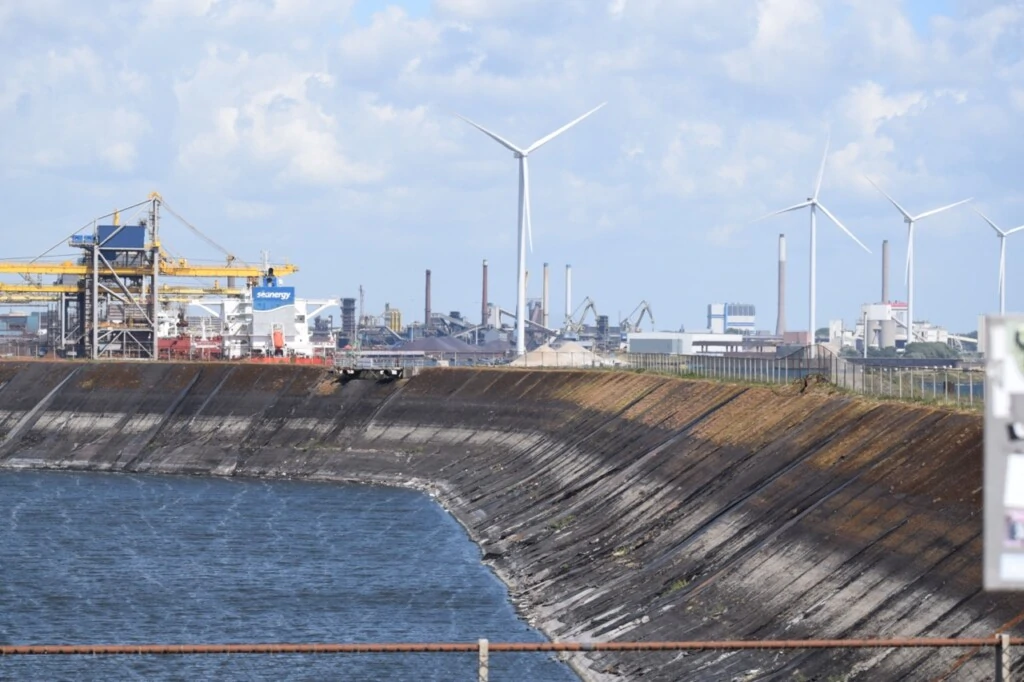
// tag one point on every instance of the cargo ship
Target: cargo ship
(269, 321)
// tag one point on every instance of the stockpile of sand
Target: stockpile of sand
(569, 354)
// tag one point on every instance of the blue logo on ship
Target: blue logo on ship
(270, 298)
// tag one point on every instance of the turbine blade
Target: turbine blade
(547, 138)
(494, 136)
(803, 204)
(841, 226)
(991, 224)
(526, 201)
(891, 200)
(940, 210)
(821, 170)
(1016, 229)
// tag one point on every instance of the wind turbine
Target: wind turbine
(1002, 234)
(815, 205)
(525, 231)
(910, 220)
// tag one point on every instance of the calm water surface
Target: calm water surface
(116, 558)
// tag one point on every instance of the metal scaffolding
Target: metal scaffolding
(118, 304)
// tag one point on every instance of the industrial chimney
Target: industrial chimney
(780, 323)
(568, 294)
(885, 271)
(887, 328)
(483, 302)
(426, 307)
(544, 298)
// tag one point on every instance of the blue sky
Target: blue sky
(324, 132)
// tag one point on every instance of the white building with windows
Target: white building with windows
(724, 316)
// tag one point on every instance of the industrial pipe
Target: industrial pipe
(426, 307)
(544, 298)
(483, 304)
(780, 322)
(568, 294)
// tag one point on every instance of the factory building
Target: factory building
(17, 323)
(725, 316)
(683, 343)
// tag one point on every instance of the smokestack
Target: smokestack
(885, 271)
(544, 298)
(568, 293)
(780, 323)
(426, 307)
(483, 304)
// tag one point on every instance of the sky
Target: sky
(325, 132)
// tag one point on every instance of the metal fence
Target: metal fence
(945, 385)
(942, 384)
(967, 667)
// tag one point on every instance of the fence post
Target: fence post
(1003, 658)
(970, 374)
(482, 668)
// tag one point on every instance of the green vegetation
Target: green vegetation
(677, 585)
(929, 350)
(933, 351)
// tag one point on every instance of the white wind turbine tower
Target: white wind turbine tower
(1002, 234)
(525, 231)
(815, 205)
(910, 220)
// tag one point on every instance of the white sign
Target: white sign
(1004, 453)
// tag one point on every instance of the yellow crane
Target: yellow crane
(123, 274)
(168, 266)
(45, 292)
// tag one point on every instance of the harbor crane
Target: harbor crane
(629, 325)
(574, 325)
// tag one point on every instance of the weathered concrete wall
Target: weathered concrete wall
(615, 505)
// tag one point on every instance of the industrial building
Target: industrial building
(884, 325)
(723, 317)
(119, 298)
(684, 343)
(114, 300)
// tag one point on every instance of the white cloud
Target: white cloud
(392, 38)
(485, 10)
(1017, 98)
(718, 112)
(260, 110)
(787, 41)
(64, 110)
(164, 10)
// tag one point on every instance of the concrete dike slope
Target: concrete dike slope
(615, 505)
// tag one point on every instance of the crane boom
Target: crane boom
(195, 230)
(628, 325)
(168, 268)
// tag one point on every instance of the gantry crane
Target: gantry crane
(118, 290)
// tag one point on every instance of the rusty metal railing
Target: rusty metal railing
(483, 648)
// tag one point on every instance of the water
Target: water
(117, 558)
